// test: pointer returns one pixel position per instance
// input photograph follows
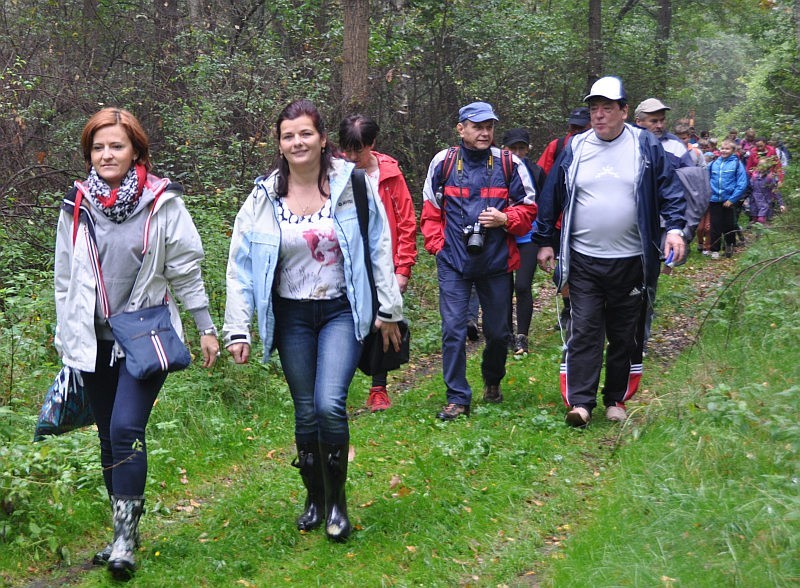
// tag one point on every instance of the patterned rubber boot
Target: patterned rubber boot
(310, 465)
(337, 525)
(101, 557)
(127, 512)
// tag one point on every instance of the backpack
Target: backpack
(506, 161)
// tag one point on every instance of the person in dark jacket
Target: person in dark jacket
(470, 217)
(518, 142)
(612, 185)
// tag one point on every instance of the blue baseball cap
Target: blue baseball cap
(477, 112)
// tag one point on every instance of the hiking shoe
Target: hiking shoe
(616, 414)
(521, 345)
(378, 399)
(706, 252)
(578, 417)
(728, 249)
(472, 330)
(715, 255)
(452, 411)
(492, 393)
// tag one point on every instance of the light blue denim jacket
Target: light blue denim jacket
(254, 255)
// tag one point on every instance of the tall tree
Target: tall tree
(663, 31)
(355, 58)
(594, 63)
(796, 12)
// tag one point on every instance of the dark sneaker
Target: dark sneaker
(578, 417)
(452, 411)
(492, 393)
(378, 399)
(728, 249)
(521, 345)
(472, 330)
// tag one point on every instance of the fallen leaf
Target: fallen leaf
(396, 480)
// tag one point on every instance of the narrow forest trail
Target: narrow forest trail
(674, 330)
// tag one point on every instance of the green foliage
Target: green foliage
(709, 483)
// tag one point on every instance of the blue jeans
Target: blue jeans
(494, 294)
(121, 406)
(319, 353)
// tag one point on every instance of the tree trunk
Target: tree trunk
(594, 63)
(797, 22)
(195, 8)
(90, 10)
(355, 57)
(663, 32)
(166, 20)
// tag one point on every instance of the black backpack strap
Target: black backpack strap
(359, 182)
(507, 163)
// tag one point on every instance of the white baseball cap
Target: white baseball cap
(608, 87)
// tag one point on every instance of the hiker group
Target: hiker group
(606, 208)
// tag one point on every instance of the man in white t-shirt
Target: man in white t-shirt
(612, 184)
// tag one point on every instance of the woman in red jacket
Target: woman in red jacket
(357, 134)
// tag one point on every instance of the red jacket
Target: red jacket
(548, 156)
(752, 161)
(400, 211)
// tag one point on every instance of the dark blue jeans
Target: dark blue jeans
(494, 294)
(319, 353)
(121, 406)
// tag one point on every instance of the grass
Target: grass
(699, 488)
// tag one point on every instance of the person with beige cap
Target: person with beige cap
(651, 114)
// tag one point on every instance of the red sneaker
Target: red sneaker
(378, 399)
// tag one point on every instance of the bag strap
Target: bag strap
(74, 197)
(447, 167)
(507, 164)
(359, 183)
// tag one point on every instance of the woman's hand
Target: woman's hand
(402, 282)
(210, 347)
(390, 333)
(240, 352)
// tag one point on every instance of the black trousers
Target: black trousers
(723, 225)
(607, 300)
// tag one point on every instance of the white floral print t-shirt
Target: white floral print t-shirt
(311, 265)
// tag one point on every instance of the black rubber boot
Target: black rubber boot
(337, 525)
(127, 512)
(309, 463)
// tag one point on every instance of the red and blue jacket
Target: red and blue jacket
(475, 183)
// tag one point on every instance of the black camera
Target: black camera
(474, 235)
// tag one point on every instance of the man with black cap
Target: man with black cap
(470, 216)
(612, 184)
(577, 122)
